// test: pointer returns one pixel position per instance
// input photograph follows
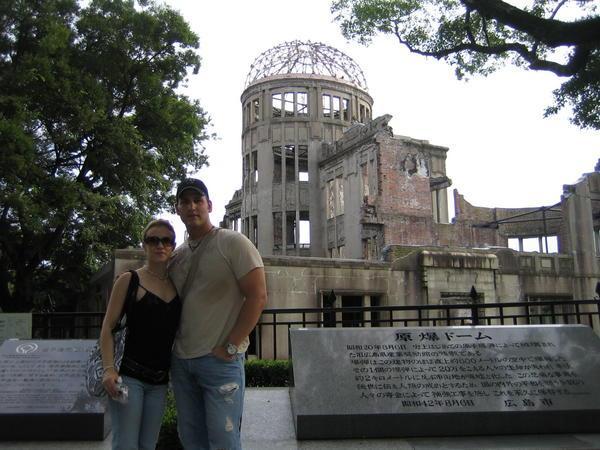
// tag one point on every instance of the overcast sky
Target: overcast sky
(502, 152)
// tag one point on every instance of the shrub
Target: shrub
(168, 439)
(267, 373)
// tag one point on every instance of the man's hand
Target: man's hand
(221, 353)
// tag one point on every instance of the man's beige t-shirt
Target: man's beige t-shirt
(211, 297)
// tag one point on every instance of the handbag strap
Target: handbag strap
(195, 258)
(134, 283)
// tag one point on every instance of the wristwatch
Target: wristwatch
(232, 349)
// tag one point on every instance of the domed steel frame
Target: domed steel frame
(312, 58)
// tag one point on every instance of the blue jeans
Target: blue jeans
(136, 424)
(209, 394)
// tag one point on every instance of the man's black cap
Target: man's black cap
(192, 184)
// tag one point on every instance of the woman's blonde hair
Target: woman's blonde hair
(159, 223)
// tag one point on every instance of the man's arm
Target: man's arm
(254, 289)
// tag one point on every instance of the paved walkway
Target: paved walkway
(268, 426)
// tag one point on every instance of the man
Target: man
(220, 277)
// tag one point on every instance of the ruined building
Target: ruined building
(320, 178)
(335, 201)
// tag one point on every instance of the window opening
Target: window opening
(352, 318)
(255, 110)
(277, 164)
(365, 182)
(277, 230)
(290, 163)
(290, 227)
(345, 109)
(335, 197)
(548, 314)
(302, 104)
(336, 108)
(326, 105)
(331, 199)
(288, 104)
(513, 243)
(328, 302)
(339, 200)
(254, 234)
(276, 102)
(542, 244)
(302, 163)
(247, 114)
(362, 114)
(255, 166)
(376, 319)
(370, 248)
(304, 229)
(246, 169)
(531, 244)
(462, 316)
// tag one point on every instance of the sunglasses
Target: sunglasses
(155, 240)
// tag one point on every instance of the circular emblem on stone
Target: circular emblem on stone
(23, 349)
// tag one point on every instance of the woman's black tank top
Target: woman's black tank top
(152, 324)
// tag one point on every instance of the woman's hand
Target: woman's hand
(109, 381)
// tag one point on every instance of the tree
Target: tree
(93, 134)
(479, 36)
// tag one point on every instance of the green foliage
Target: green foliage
(93, 135)
(168, 438)
(477, 37)
(582, 93)
(259, 373)
(267, 373)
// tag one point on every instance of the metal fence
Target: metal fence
(270, 338)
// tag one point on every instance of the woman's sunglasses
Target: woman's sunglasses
(155, 240)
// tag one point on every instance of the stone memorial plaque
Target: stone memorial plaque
(445, 381)
(15, 326)
(42, 392)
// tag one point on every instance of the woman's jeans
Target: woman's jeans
(136, 424)
(209, 394)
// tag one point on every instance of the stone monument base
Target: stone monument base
(54, 427)
(43, 394)
(439, 425)
(445, 381)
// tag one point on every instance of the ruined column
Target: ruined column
(578, 236)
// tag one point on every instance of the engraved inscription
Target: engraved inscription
(462, 369)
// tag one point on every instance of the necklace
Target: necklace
(155, 275)
(196, 244)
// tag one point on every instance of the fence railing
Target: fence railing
(270, 338)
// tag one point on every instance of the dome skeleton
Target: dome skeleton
(297, 57)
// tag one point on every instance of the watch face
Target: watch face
(231, 349)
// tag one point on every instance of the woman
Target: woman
(152, 319)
